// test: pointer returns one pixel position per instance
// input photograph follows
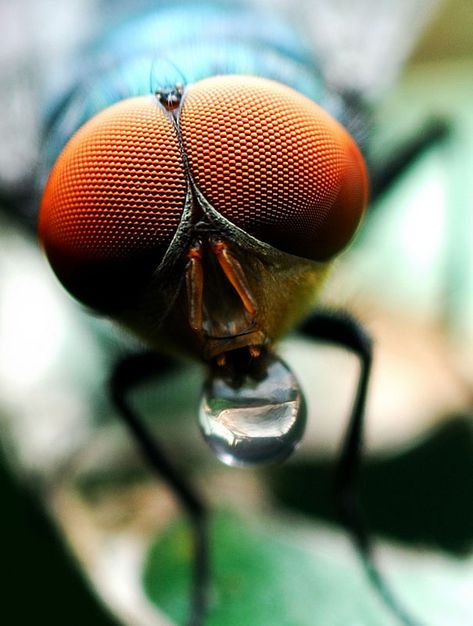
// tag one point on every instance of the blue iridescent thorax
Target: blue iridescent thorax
(180, 45)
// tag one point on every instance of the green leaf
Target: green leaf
(288, 573)
(261, 578)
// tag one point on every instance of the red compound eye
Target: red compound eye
(274, 164)
(267, 158)
(113, 202)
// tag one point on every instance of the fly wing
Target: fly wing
(361, 44)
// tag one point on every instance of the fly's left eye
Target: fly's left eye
(113, 202)
(274, 164)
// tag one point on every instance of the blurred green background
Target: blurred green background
(418, 477)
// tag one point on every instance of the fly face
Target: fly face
(205, 219)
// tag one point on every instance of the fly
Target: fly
(203, 216)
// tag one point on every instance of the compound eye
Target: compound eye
(113, 202)
(274, 164)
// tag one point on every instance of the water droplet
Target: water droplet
(256, 420)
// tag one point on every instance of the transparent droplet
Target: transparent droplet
(258, 420)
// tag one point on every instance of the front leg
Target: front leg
(341, 329)
(128, 373)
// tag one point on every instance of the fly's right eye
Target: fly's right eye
(274, 164)
(113, 202)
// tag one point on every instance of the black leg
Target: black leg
(384, 175)
(341, 329)
(127, 374)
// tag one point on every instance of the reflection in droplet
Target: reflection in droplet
(257, 420)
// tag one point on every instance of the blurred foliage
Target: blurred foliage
(449, 34)
(43, 580)
(259, 578)
(280, 571)
(423, 495)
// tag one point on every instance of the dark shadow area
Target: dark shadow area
(43, 583)
(423, 495)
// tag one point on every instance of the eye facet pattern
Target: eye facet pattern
(274, 163)
(114, 199)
